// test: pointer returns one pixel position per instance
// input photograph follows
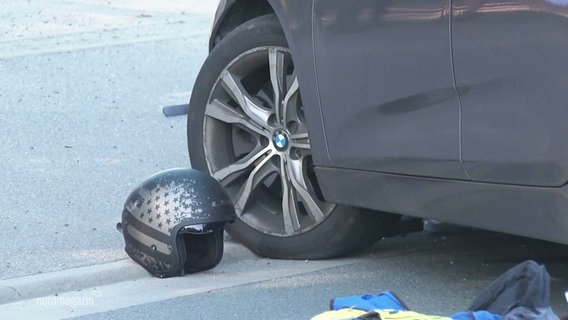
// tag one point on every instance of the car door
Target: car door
(386, 87)
(511, 67)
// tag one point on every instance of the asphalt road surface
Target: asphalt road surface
(82, 88)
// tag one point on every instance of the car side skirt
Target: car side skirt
(535, 212)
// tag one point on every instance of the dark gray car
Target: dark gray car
(328, 119)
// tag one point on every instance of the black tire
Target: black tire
(259, 159)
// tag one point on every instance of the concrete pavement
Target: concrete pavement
(70, 280)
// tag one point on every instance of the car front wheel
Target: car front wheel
(246, 127)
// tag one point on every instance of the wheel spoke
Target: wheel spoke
(256, 112)
(260, 172)
(289, 201)
(276, 62)
(225, 113)
(291, 92)
(299, 136)
(300, 140)
(297, 178)
(231, 172)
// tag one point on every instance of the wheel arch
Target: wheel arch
(233, 13)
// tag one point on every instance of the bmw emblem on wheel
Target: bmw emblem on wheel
(280, 140)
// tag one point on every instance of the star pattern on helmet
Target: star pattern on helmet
(164, 205)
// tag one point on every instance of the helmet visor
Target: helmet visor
(202, 228)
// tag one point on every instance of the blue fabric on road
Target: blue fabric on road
(388, 301)
(384, 300)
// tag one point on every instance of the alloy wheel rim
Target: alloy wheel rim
(257, 144)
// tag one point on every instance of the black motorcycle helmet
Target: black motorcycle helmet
(173, 222)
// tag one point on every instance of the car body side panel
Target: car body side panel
(386, 87)
(536, 212)
(511, 65)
